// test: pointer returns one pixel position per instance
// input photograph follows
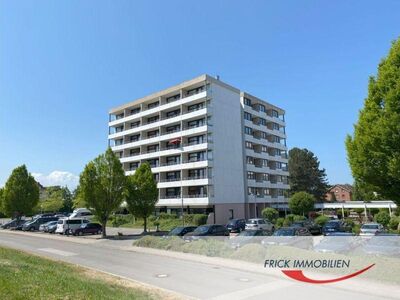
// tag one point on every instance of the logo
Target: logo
(291, 269)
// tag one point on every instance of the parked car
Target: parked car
(206, 230)
(12, 223)
(335, 226)
(43, 227)
(312, 227)
(51, 228)
(338, 242)
(298, 237)
(253, 224)
(19, 225)
(383, 245)
(181, 230)
(64, 225)
(35, 223)
(236, 225)
(370, 229)
(87, 228)
(83, 213)
(248, 237)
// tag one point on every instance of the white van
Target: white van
(83, 213)
(65, 224)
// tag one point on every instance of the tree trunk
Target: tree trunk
(145, 224)
(104, 233)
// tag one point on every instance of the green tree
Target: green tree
(269, 213)
(305, 174)
(142, 193)
(321, 220)
(362, 192)
(53, 202)
(301, 203)
(374, 149)
(382, 217)
(67, 200)
(1, 201)
(102, 186)
(21, 193)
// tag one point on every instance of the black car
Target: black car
(35, 223)
(87, 228)
(207, 230)
(310, 225)
(335, 226)
(181, 230)
(12, 224)
(236, 225)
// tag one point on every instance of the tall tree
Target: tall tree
(21, 193)
(102, 186)
(142, 193)
(305, 174)
(67, 200)
(53, 201)
(362, 192)
(1, 201)
(301, 203)
(374, 149)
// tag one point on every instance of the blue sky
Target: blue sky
(63, 64)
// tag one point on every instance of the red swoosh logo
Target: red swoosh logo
(298, 275)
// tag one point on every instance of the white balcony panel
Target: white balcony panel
(186, 201)
(185, 166)
(170, 184)
(159, 108)
(164, 122)
(165, 137)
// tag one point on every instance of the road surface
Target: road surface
(189, 278)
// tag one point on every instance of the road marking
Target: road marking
(254, 291)
(244, 279)
(162, 275)
(58, 252)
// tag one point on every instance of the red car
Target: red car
(88, 228)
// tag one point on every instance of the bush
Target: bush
(208, 247)
(165, 216)
(118, 220)
(269, 213)
(321, 220)
(298, 218)
(199, 219)
(350, 222)
(356, 229)
(173, 243)
(394, 223)
(279, 222)
(382, 217)
(301, 203)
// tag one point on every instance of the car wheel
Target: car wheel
(31, 229)
(80, 233)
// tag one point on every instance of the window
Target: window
(250, 160)
(248, 130)
(247, 116)
(135, 110)
(153, 162)
(119, 128)
(133, 166)
(195, 107)
(196, 156)
(173, 98)
(134, 138)
(264, 162)
(247, 101)
(195, 123)
(174, 128)
(173, 160)
(173, 113)
(135, 124)
(251, 175)
(249, 145)
(173, 176)
(135, 151)
(172, 192)
(264, 149)
(263, 135)
(195, 91)
(197, 173)
(119, 116)
(194, 140)
(152, 134)
(119, 142)
(152, 105)
(197, 191)
(152, 119)
(262, 122)
(275, 126)
(261, 108)
(274, 113)
(251, 190)
(152, 148)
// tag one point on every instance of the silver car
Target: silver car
(254, 224)
(370, 228)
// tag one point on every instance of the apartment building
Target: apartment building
(213, 148)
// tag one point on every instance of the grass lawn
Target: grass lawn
(24, 276)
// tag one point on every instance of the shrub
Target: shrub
(166, 216)
(350, 222)
(298, 218)
(382, 217)
(301, 203)
(356, 229)
(321, 220)
(269, 213)
(279, 222)
(208, 247)
(199, 219)
(394, 223)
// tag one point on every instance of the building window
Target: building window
(152, 134)
(250, 160)
(152, 119)
(196, 123)
(153, 162)
(152, 148)
(264, 149)
(195, 91)
(247, 101)
(119, 129)
(135, 124)
(247, 116)
(173, 113)
(174, 128)
(173, 176)
(248, 130)
(133, 166)
(153, 105)
(262, 122)
(261, 108)
(249, 145)
(197, 173)
(274, 113)
(196, 156)
(119, 142)
(134, 138)
(173, 98)
(195, 107)
(135, 110)
(119, 116)
(135, 151)
(194, 140)
(251, 175)
(172, 192)
(173, 160)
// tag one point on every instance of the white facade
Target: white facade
(224, 149)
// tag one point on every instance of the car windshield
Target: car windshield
(233, 222)
(60, 222)
(201, 229)
(370, 226)
(332, 224)
(175, 231)
(252, 221)
(284, 232)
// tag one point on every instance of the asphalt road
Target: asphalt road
(190, 278)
